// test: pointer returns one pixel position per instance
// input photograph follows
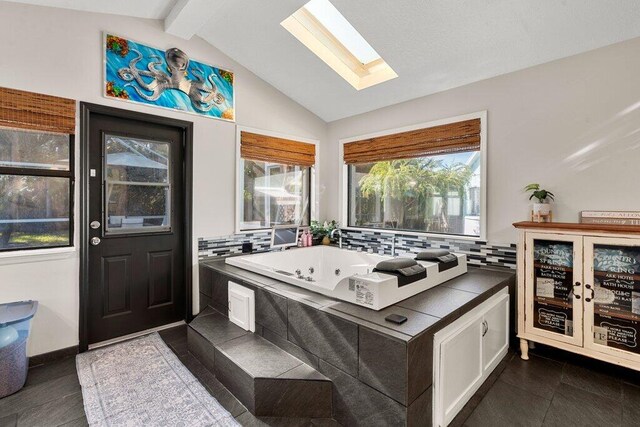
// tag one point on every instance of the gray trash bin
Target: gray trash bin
(15, 321)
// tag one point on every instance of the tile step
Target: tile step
(269, 381)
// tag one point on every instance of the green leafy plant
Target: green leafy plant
(324, 229)
(410, 185)
(539, 193)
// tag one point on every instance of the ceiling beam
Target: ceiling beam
(189, 16)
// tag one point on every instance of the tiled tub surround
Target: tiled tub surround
(478, 252)
(232, 244)
(381, 372)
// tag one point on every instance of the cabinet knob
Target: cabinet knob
(577, 285)
(577, 296)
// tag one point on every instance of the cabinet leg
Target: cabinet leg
(524, 349)
(532, 345)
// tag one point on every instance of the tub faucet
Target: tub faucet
(333, 233)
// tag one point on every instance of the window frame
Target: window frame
(343, 202)
(239, 177)
(52, 173)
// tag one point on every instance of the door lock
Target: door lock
(95, 225)
(95, 241)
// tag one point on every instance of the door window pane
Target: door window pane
(34, 211)
(435, 194)
(136, 160)
(616, 314)
(34, 150)
(137, 207)
(273, 194)
(553, 286)
(138, 188)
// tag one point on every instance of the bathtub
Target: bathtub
(343, 274)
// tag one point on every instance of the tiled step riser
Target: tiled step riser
(301, 392)
(201, 349)
(275, 397)
(293, 398)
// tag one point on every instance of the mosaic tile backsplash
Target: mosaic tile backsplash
(478, 252)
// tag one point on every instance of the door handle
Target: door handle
(577, 285)
(593, 293)
(95, 241)
(485, 327)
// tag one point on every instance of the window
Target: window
(36, 189)
(426, 180)
(328, 34)
(138, 196)
(274, 194)
(274, 181)
(337, 24)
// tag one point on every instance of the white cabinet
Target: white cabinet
(612, 314)
(553, 273)
(466, 352)
(579, 289)
(496, 333)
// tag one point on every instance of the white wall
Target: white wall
(572, 125)
(59, 52)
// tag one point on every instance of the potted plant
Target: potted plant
(323, 231)
(542, 208)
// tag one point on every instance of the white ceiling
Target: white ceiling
(151, 9)
(432, 45)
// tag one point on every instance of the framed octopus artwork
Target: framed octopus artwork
(169, 79)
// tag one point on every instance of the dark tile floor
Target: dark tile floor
(52, 396)
(552, 389)
(555, 388)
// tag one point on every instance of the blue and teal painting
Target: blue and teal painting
(169, 79)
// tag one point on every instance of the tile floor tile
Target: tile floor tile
(575, 406)
(507, 405)
(592, 381)
(536, 375)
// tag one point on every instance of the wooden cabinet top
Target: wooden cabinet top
(576, 227)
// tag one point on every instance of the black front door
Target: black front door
(136, 209)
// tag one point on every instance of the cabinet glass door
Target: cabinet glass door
(554, 287)
(612, 296)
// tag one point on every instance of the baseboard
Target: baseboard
(52, 356)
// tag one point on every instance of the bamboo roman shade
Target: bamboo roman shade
(33, 111)
(450, 138)
(254, 146)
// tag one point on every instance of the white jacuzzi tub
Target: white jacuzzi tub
(343, 274)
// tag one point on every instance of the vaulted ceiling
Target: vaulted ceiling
(432, 45)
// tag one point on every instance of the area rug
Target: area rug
(142, 383)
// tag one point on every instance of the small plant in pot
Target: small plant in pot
(541, 208)
(322, 232)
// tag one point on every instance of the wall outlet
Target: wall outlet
(247, 248)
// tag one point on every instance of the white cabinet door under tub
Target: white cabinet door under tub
(465, 353)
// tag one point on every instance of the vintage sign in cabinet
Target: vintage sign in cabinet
(579, 289)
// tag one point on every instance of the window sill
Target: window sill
(36, 255)
(417, 233)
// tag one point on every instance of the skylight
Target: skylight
(341, 29)
(327, 33)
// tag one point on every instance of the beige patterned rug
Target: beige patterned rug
(142, 383)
